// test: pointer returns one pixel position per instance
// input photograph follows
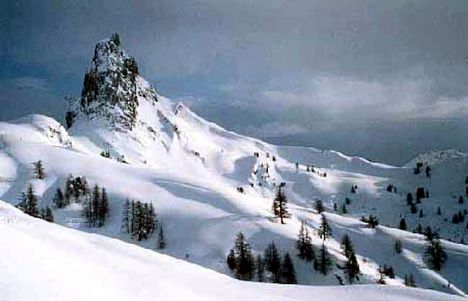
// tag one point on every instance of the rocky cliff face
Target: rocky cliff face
(110, 88)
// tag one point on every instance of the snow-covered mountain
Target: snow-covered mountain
(207, 184)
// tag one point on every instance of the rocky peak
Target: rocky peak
(110, 87)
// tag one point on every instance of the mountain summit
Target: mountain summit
(110, 88)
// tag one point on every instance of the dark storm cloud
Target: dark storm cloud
(284, 62)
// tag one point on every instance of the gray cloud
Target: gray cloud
(300, 63)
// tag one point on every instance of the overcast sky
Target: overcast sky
(384, 79)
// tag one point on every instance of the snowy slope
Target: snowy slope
(190, 170)
(42, 261)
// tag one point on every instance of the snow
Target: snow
(43, 261)
(190, 170)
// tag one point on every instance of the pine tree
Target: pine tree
(402, 225)
(39, 170)
(409, 280)
(352, 269)
(324, 230)
(244, 259)
(344, 210)
(68, 189)
(47, 215)
(461, 200)
(304, 244)
(398, 247)
(103, 208)
(409, 199)
(59, 199)
(435, 254)
(372, 221)
(413, 208)
(347, 246)
(272, 261)
(323, 261)
(31, 203)
(280, 208)
(420, 194)
(125, 227)
(260, 265)
(231, 260)
(319, 206)
(439, 211)
(161, 239)
(287, 271)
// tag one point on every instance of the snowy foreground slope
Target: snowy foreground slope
(192, 171)
(43, 261)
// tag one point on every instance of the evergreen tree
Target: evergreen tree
(29, 203)
(347, 246)
(47, 215)
(372, 220)
(352, 269)
(344, 210)
(319, 206)
(409, 199)
(260, 265)
(161, 243)
(323, 261)
(59, 199)
(272, 261)
(324, 230)
(461, 200)
(420, 194)
(304, 244)
(435, 254)
(421, 214)
(409, 280)
(402, 225)
(398, 247)
(280, 208)
(287, 271)
(413, 208)
(39, 170)
(68, 189)
(439, 211)
(231, 260)
(125, 227)
(244, 260)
